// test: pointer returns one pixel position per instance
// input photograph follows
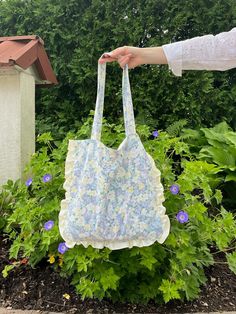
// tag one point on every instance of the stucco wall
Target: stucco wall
(17, 122)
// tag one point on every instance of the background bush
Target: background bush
(77, 32)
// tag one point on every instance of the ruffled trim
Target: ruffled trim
(111, 244)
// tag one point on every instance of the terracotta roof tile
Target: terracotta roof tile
(25, 51)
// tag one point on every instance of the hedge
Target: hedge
(76, 33)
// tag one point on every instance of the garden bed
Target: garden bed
(42, 288)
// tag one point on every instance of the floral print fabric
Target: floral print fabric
(113, 197)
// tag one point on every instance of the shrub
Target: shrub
(174, 270)
(76, 33)
(217, 145)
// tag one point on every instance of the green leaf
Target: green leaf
(219, 156)
(148, 262)
(109, 279)
(82, 263)
(171, 240)
(231, 136)
(218, 196)
(171, 289)
(15, 247)
(181, 147)
(221, 128)
(45, 138)
(147, 257)
(196, 211)
(6, 270)
(224, 228)
(186, 255)
(192, 281)
(3, 222)
(175, 128)
(231, 177)
(231, 259)
(87, 287)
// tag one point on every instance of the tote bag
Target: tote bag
(113, 197)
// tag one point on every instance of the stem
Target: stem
(231, 248)
(109, 261)
(169, 250)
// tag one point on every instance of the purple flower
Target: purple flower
(47, 177)
(182, 217)
(155, 133)
(174, 189)
(48, 225)
(62, 248)
(29, 182)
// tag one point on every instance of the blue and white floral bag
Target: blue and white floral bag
(113, 196)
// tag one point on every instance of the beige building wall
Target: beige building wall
(17, 122)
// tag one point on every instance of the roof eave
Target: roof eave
(31, 53)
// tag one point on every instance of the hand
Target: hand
(124, 55)
(134, 56)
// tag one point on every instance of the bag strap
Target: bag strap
(127, 103)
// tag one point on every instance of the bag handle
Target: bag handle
(127, 103)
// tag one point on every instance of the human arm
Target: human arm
(206, 52)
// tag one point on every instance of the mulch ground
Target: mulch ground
(43, 289)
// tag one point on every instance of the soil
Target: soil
(43, 289)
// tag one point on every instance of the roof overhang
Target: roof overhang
(27, 53)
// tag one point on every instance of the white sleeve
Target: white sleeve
(206, 52)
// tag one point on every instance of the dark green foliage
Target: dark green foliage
(76, 33)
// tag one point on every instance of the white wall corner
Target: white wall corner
(17, 122)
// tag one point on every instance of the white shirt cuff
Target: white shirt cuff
(173, 53)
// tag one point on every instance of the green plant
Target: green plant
(6, 198)
(221, 149)
(174, 270)
(217, 145)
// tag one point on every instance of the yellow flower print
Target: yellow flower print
(91, 193)
(141, 186)
(87, 227)
(115, 229)
(74, 189)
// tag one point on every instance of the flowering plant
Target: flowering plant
(173, 270)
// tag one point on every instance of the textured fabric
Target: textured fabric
(206, 52)
(113, 197)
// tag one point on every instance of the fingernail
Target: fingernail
(107, 54)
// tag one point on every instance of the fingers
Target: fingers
(124, 60)
(113, 55)
(106, 57)
(123, 55)
(118, 52)
(121, 59)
